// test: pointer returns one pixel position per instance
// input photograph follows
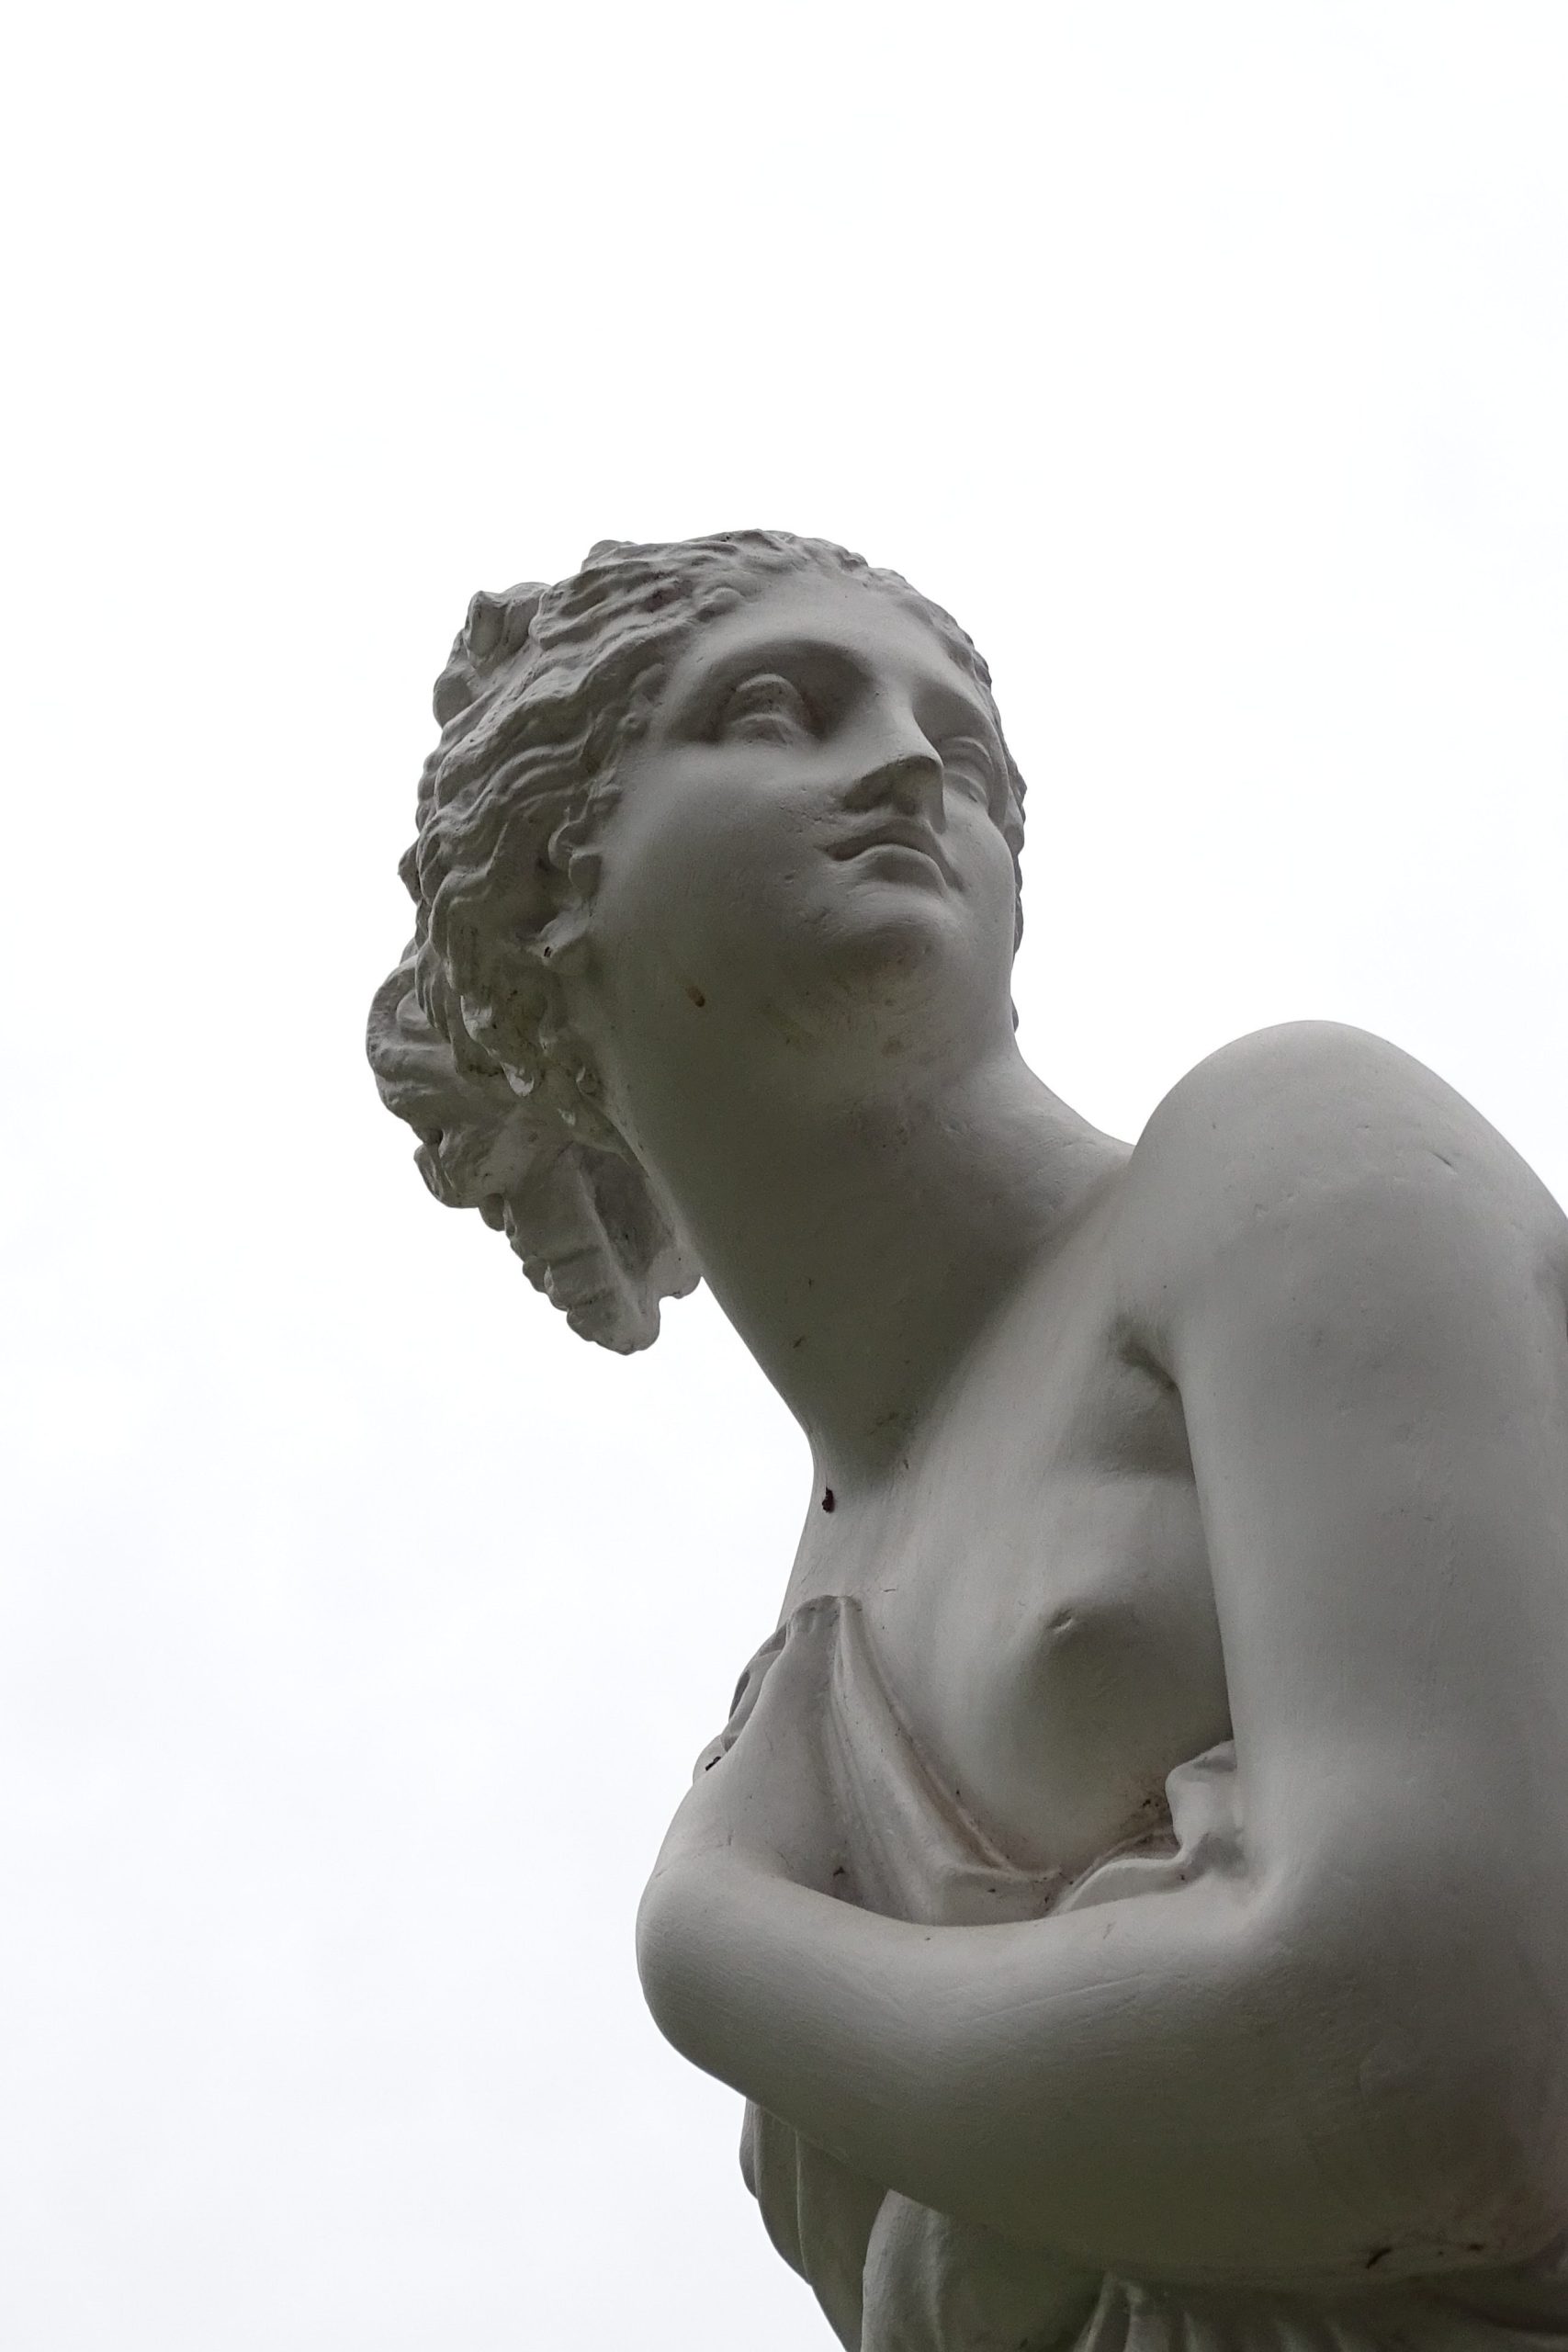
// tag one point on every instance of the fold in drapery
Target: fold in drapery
(891, 2275)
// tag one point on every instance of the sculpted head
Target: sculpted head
(737, 796)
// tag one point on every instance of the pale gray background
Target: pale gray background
(1211, 363)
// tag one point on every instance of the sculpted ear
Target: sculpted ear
(561, 944)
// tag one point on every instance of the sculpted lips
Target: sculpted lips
(897, 832)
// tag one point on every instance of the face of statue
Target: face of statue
(808, 846)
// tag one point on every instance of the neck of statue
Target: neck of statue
(860, 1243)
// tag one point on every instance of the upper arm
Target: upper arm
(1361, 1303)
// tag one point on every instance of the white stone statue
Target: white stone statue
(1130, 1892)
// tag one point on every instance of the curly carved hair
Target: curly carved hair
(469, 1039)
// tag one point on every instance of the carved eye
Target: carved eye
(972, 769)
(766, 710)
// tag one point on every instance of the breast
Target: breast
(1049, 1619)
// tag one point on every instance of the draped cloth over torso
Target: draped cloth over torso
(891, 2275)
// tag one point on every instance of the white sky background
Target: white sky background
(1210, 363)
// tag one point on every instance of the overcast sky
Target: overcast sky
(1210, 363)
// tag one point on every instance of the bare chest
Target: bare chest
(1036, 1583)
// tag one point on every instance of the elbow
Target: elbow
(1436, 2038)
(1486, 2153)
(692, 1959)
(668, 1964)
(1470, 2176)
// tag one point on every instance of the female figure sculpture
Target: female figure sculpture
(1131, 1890)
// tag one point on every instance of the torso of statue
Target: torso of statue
(1032, 1569)
(1032, 1580)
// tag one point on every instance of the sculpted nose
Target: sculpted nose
(909, 781)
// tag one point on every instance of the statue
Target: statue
(1131, 1891)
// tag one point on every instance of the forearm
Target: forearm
(1165, 2085)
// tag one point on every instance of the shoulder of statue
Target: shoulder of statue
(1320, 1138)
